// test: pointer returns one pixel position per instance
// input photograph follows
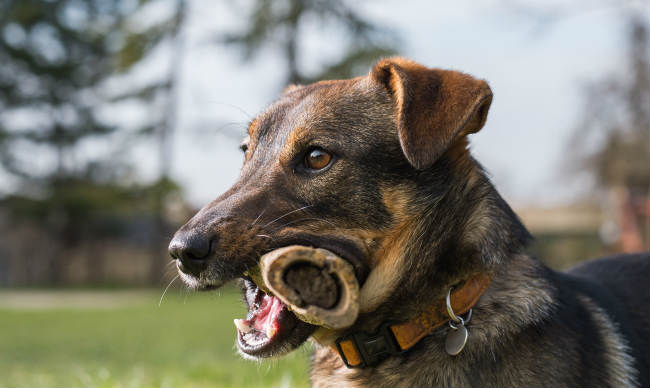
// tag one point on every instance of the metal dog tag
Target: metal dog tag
(456, 339)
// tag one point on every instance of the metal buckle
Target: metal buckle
(372, 347)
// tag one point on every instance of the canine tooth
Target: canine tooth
(270, 331)
(242, 326)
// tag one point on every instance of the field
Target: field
(124, 339)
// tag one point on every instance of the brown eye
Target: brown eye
(244, 144)
(317, 159)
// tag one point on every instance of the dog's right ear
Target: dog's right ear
(434, 107)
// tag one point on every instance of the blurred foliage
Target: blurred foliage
(611, 141)
(617, 111)
(563, 249)
(616, 118)
(57, 58)
(58, 61)
(280, 24)
(82, 208)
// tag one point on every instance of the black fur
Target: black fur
(412, 232)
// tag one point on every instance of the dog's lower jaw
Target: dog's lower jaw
(269, 328)
(297, 336)
(287, 331)
(201, 283)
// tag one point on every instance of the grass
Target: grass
(187, 341)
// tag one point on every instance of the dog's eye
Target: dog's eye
(244, 144)
(317, 159)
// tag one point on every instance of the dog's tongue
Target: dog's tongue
(263, 319)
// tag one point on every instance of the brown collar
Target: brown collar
(360, 349)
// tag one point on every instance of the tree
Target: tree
(612, 138)
(58, 58)
(617, 117)
(282, 22)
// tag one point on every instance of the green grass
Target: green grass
(185, 342)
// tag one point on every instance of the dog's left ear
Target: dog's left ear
(434, 107)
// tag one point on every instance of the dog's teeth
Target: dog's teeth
(242, 326)
(270, 331)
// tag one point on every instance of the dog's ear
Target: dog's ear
(434, 107)
(291, 88)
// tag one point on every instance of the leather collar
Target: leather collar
(360, 349)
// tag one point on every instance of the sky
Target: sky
(536, 70)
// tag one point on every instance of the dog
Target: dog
(377, 170)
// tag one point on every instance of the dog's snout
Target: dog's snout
(191, 250)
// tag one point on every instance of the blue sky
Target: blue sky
(534, 69)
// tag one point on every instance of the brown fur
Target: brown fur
(404, 201)
(434, 107)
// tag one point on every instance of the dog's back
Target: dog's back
(620, 285)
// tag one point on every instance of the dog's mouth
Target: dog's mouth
(269, 328)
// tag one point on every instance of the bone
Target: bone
(317, 285)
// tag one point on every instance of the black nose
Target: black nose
(191, 250)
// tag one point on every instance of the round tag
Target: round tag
(456, 340)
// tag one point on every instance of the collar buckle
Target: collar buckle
(372, 347)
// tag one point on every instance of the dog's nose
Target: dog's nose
(191, 250)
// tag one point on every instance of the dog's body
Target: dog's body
(377, 170)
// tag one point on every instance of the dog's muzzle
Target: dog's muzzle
(191, 252)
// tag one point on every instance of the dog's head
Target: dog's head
(342, 165)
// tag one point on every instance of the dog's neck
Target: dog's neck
(517, 298)
(461, 230)
(468, 229)
(360, 350)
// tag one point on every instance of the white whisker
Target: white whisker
(308, 219)
(286, 214)
(187, 293)
(258, 217)
(167, 288)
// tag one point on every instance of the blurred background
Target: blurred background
(120, 118)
